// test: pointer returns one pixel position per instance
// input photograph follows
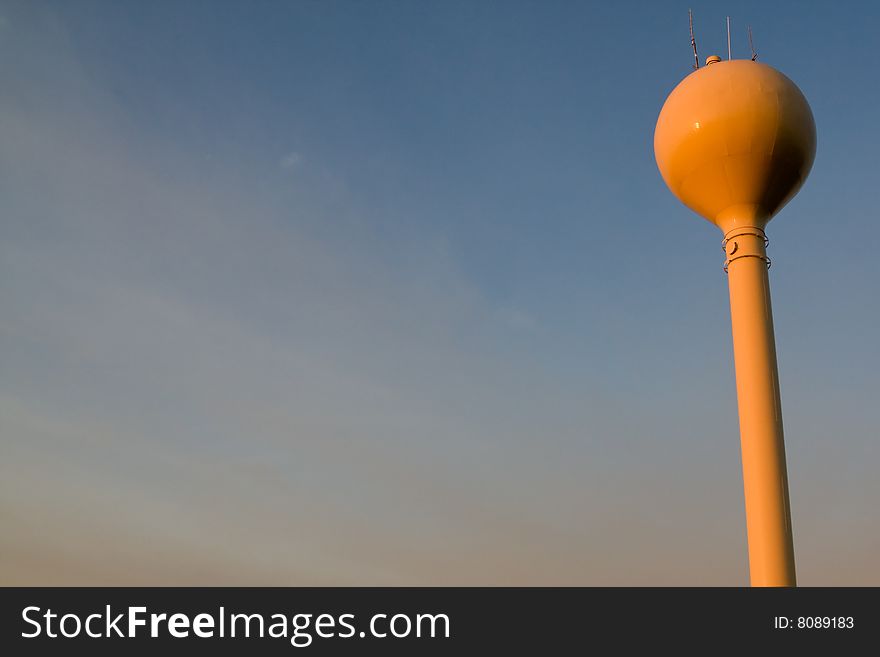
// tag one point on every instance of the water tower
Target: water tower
(734, 142)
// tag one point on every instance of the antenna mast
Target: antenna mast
(728, 39)
(693, 40)
(752, 46)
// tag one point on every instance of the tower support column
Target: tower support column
(765, 480)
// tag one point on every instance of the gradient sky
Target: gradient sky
(393, 293)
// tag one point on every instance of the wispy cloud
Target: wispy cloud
(291, 161)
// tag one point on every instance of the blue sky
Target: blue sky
(393, 293)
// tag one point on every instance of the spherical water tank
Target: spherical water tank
(734, 142)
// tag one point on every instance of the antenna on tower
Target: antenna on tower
(728, 39)
(752, 46)
(693, 40)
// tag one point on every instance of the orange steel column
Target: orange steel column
(765, 481)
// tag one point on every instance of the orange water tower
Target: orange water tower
(734, 142)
